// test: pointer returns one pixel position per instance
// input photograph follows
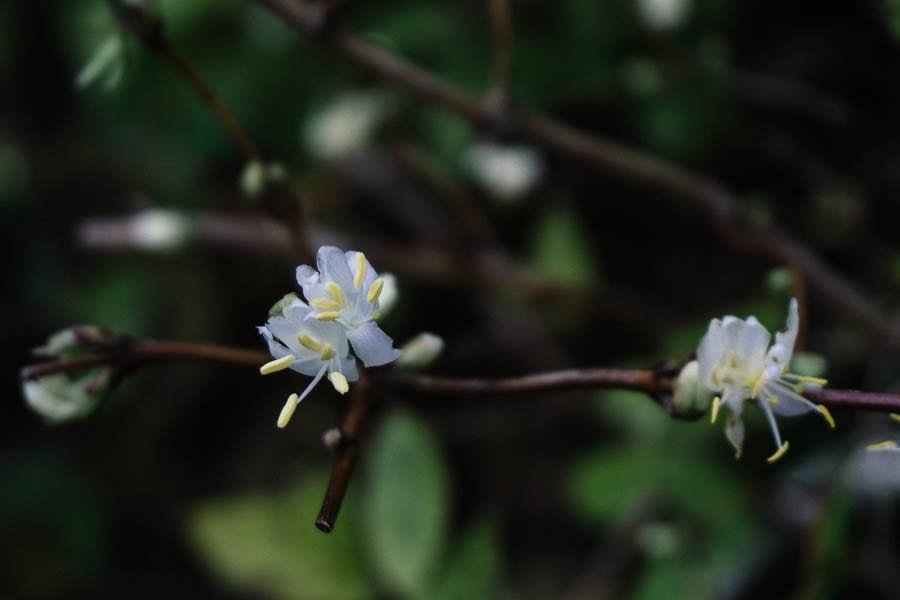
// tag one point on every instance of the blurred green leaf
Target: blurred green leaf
(406, 504)
(474, 570)
(267, 543)
(674, 579)
(562, 251)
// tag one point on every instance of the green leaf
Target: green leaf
(267, 544)
(562, 251)
(474, 569)
(406, 504)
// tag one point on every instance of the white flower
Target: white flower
(346, 290)
(506, 172)
(736, 361)
(420, 352)
(308, 346)
(58, 398)
(346, 125)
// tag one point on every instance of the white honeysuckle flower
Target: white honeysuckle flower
(345, 290)
(506, 172)
(346, 125)
(308, 346)
(735, 361)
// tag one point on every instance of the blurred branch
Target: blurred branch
(500, 96)
(279, 198)
(720, 206)
(148, 29)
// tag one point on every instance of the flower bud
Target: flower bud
(279, 307)
(689, 395)
(420, 352)
(59, 398)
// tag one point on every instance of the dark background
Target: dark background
(180, 484)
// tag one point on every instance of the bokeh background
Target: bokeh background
(179, 485)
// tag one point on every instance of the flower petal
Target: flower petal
(333, 266)
(788, 402)
(734, 431)
(372, 345)
(709, 353)
(307, 279)
(751, 346)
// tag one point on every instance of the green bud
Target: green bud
(279, 307)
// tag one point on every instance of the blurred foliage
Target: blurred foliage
(180, 486)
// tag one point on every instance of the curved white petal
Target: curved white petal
(276, 349)
(788, 402)
(734, 431)
(372, 345)
(332, 264)
(709, 353)
(752, 342)
(307, 278)
(348, 368)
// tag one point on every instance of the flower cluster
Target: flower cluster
(315, 337)
(736, 362)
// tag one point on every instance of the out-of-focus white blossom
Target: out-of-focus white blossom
(735, 360)
(346, 125)
(420, 352)
(663, 15)
(506, 172)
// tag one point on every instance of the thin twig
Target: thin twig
(499, 96)
(720, 206)
(347, 450)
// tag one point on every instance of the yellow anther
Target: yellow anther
(715, 376)
(337, 293)
(732, 358)
(327, 352)
(375, 290)
(760, 380)
(277, 365)
(827, 414)
(288, 411)
(888, 445)
(309, 343)
(772, 400)
(779, 453)
(339, 382)
(329, 315)
(717, 402)
(815, 380)
(360, 270)
(896, 417)
(325, 304)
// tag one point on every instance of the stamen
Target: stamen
(360, 270)
(772, 400)
(327, 352)
(896, 417)
(732, 358)
(309, 343)
(760, 380)
(328, 316)
(337, 293)
(887, 445)
(288, 411)
(274, 366)
(325, 304)
(779, 453)
(375, 290)
(827, 414)
(716, 403)
(339, 382)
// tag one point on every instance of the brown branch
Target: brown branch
(361, 404)
(500, 96)
(720, 206)
(642, 380)
(138, 353)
